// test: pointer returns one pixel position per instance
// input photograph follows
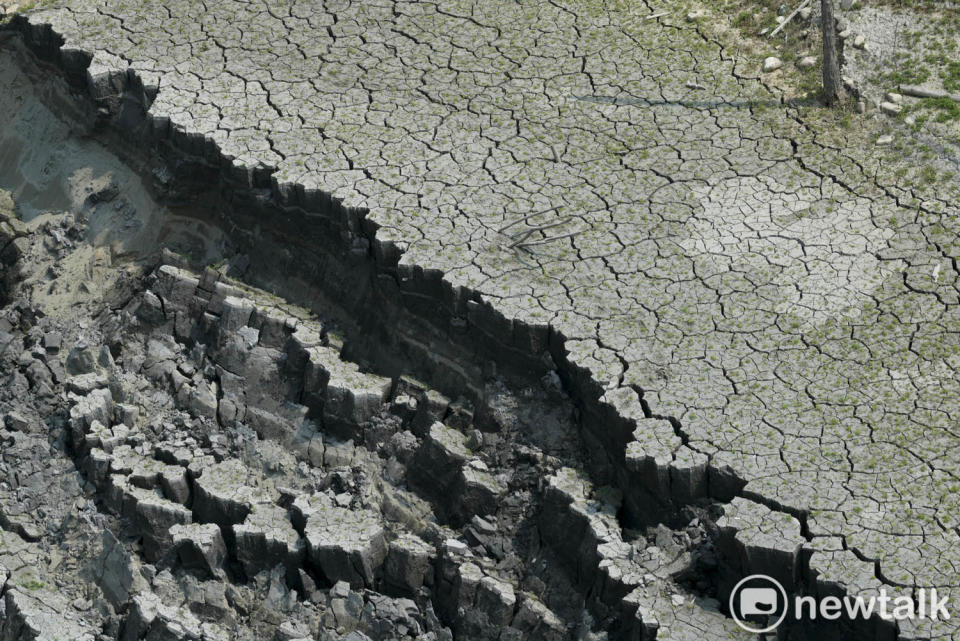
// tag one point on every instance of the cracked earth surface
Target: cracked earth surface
(776, 294)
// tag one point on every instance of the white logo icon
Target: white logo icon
(758, 601)
(758, 595)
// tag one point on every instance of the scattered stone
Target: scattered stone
(807, 62)
(772, 63)
(885, 140)
(891, 108)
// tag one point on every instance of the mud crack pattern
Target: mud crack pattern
(791, 308)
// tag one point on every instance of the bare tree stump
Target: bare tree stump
(832, 86)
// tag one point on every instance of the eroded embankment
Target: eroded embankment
(305, 247)
(166, 393)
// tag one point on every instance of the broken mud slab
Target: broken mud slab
(255, 465)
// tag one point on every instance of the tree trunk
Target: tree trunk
(831, 62)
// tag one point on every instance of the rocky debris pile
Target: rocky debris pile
(228, 501)
(323, 537)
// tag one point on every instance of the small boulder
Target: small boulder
(772, 63)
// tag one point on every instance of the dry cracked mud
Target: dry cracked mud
(457, 320)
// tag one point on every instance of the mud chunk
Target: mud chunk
(117, 573)
(480, 491)
(267, 539)
(200, 547)
(52, 342)
(153, 516)
(39, 616)
(439, 459)
(235, 313)
(82, 359)
(536, 621)
(346, 545)
(95, 406)
(223, 495)
(408, 564)
(761, 541)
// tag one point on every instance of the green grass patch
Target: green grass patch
(951, 77)
(948, 109)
